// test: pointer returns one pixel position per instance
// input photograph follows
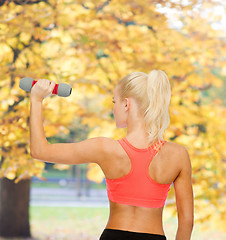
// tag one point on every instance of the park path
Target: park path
(68, 197)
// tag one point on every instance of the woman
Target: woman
(139, 168)
(137, 198)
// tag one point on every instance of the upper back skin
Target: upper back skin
(164, 168)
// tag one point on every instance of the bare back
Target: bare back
(117, 164)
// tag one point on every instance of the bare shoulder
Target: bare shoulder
(179, 153)
(176, 146)
(109, 151)
(181, 159)
(176, 156)
(183, 156)
(110, 145)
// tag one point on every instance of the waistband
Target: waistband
(135, 235)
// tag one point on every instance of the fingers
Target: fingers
(52, 84)
(47, 83)
(47, 86)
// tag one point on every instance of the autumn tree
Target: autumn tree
(91, 45)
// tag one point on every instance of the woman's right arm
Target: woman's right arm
(184, 197)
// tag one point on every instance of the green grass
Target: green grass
(68, 222)
(83, 223)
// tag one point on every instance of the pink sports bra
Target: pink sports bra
(137, 188)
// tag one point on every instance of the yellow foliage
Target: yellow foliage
(61, 166)
(50, 130)
(91, 52)
(94, 173)
(10, 175)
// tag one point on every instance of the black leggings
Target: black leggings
(115, 234)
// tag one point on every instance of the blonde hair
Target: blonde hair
(152, 94)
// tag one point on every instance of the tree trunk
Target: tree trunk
(14, 208)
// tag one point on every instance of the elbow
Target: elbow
(32, 154)
(35, 156)
(36, 153)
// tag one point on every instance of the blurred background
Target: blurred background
(91, 45)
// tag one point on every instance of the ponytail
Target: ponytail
(152, 93)
(156, 116)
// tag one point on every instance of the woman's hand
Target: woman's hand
(42, 89)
